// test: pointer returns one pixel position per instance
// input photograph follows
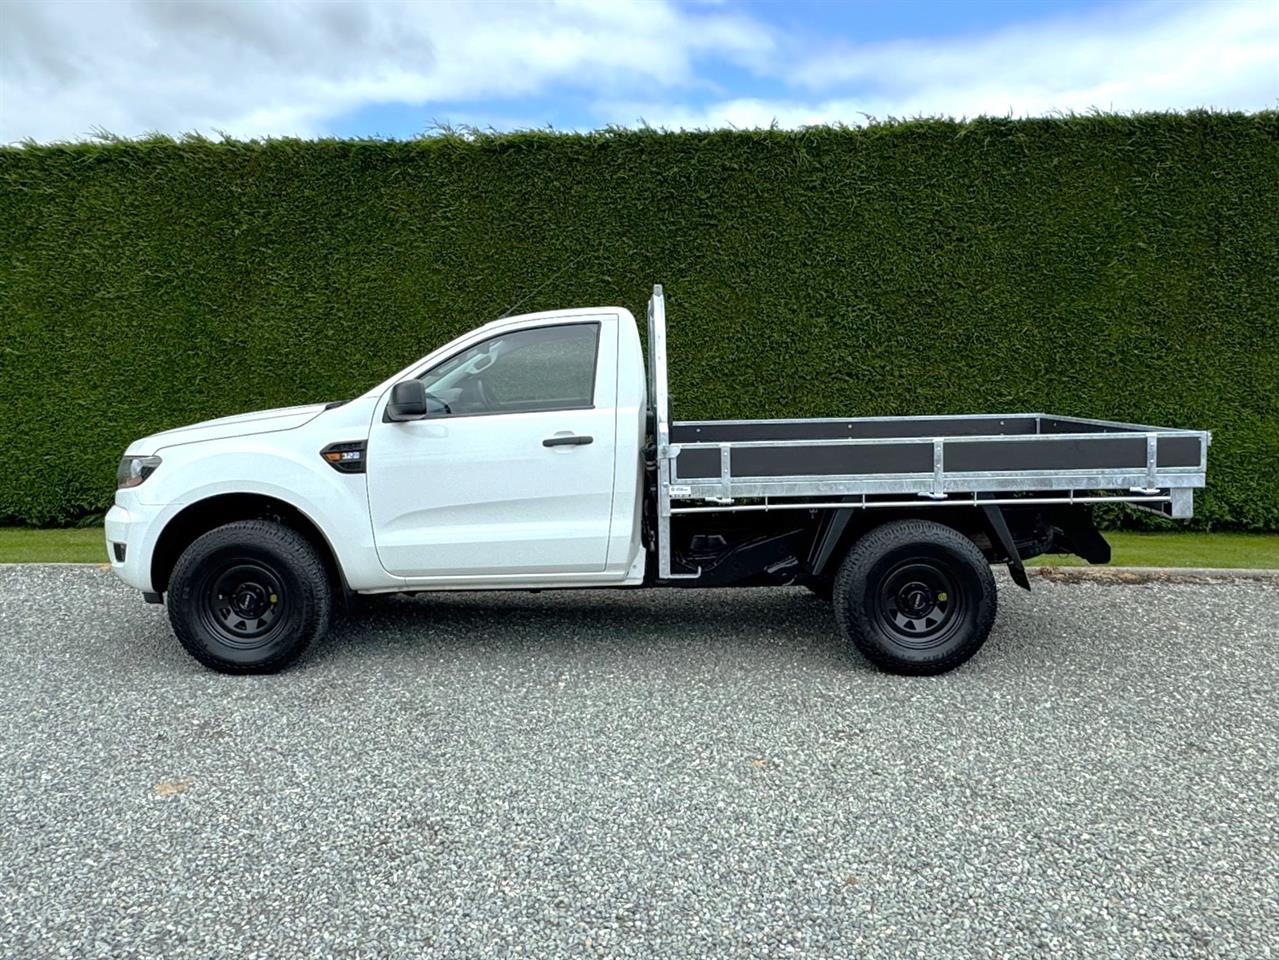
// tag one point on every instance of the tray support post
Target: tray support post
(725, 473)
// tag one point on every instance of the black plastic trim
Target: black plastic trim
(350, 465)
(578, 441)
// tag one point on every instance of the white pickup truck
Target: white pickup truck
(534, 453)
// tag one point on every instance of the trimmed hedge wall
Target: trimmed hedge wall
(1119, 267)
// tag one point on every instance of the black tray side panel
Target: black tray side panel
(850, 429)
(1049, 453)
(869, 459)
(1054, 425)
(1179, 452)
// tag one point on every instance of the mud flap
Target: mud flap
(1079, 535)
(828, 537)
(999, 529)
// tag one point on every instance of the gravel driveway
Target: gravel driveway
(646, 774)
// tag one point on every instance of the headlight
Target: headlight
(133, 470)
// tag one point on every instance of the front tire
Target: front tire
(915, 597)
(249, 597)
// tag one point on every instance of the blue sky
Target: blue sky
(399, 67)
(866, 22)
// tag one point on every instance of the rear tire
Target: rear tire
(915, 597)
(249, 597)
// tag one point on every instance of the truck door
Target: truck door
(512, 472)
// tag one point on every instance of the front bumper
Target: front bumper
(131, 532)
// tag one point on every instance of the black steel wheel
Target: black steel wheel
(919, 604)
(244, 602)
(249, 597)
(915, 597)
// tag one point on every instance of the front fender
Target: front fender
(336, 503)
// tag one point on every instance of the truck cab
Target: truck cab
(516, 464)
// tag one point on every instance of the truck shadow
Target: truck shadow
(610, 619)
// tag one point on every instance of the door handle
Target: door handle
(578, 441)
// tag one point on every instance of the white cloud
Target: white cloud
(280, 68)
(1143, 57)
(286, 68)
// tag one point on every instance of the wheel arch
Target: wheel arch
(841, 529)
(203, 515)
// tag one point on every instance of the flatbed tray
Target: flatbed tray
(935, 456)
(891, 462)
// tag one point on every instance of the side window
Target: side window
(546, 368)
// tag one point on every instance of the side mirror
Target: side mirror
(408, 401)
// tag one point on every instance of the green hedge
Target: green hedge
(1119, 267)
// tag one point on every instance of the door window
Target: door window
(545, 368)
